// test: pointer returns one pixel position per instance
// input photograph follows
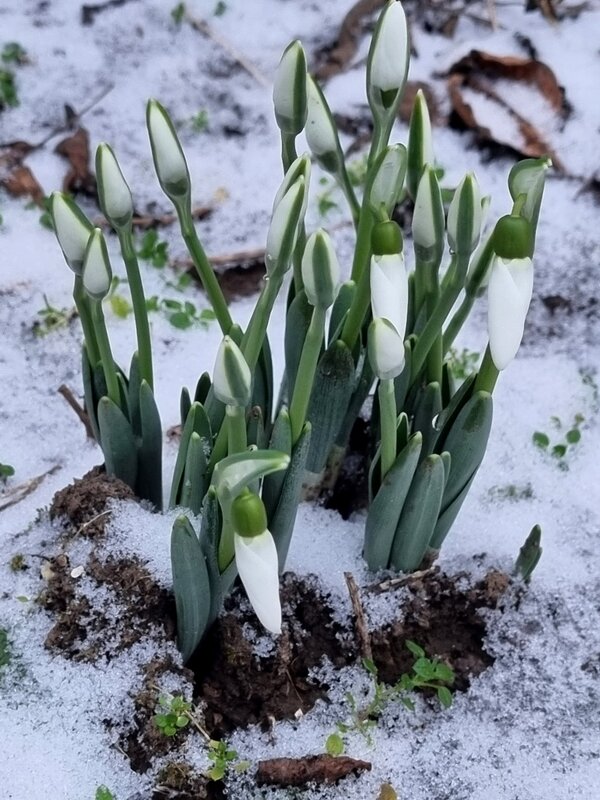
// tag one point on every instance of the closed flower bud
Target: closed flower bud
(513, 237)
(289, 90)
(389, 290)
(169, 161)
(320, 270)
(465, 216)
(248, 514)
(428, 217)
(321, 134)
(283, 229)
(420, 143)
(72, 229)
(386, 349)
(389, 177)
(97, 273)
(232, 381)
(388, 57)
(258, 566)
(509, 294)
(113, 191)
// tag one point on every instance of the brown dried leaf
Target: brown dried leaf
(298, 771)
(333, 59)
(480, 73)
(76, 148)
(239, 274)
(21, 182)
(387, 792)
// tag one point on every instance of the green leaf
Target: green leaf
(529, 554)
(103, 793)
(197, 421)
(281, 439)
(444, 696)
(573, 436)
(443, 672)
(149, 484)
(370, 666)
(559, 450)
(408, 703)
(424, 668)
(334, 745)
(190, 586)
(541, 439)
(120, 305)
(415, 649)
(181, 320)
(118, 442)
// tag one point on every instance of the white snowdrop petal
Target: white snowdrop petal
(389, 63)
(258, 566)
(389, 290)
(386, 350)
(116, 196)
(509, 294)
(169, 159)
(319, 131)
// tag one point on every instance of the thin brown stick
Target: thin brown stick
(64, 390)
(395, 583)
(22, 491)
(362, 630)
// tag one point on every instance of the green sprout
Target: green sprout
(199, 121)
(103, 793)
(6, 472)
(173, 714)
(223, 758)
(220, 8)
(178, 13)
(14, 53)
(8, 89)
(52, 318)
(463, 363)
(570, 435)
(5, 654)
(153, 249)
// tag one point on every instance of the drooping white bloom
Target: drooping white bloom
(509, 294)
(232, 380)
(465, 216)
(320, 270)
(257, 563)
(284, 224)
(113, 191)
(387, 183)
(389, 55)
(97, 273)
(169, 161)
(386, 349)
(72, 230)
(320, 131)
(289, 89)
(389, 290)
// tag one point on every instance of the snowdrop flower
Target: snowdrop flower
(289, 90)
(386, 349)
(389, 176)
(509, 294)
(320, 270)
(97, 273)
(465, 217)
(113, 191)
(388, 58)
(389, 279)
(232, 380)
(283, 229)
(420, 142)
(169, 161)
(256, 558)
(428, 216)
(72, 230)
(321, 134)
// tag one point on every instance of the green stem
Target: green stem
(358, 310)
(348, 190)
(306, 372)
(362, 250)
(203, 267)
(236, 429)
(288, 150)
(458, 319)
(83, 305)
(108, 364)
(254, 336)
(138, 299)
(487, 375)
(387, 421)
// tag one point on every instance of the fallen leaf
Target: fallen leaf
(21, 182)
(298, 771)
(76, 149)
(239, 274)
(486, 93)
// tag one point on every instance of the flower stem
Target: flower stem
(108, 364)
(387, 416)
(138, 300)
(487, 375)
(306, 372)
(236, 429)
(83, 305)
(254, 336)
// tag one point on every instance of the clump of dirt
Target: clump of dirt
(445, 621)
(236, 687)
(351, 490)
(143, 740)
(179, 781)
(83, 503)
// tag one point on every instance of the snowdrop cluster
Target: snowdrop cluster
(388, 330)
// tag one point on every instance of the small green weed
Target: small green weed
(6, 472)
(462, 363)
(14, 53)
(17, 563)
(512, 491)
(104, 793)
(173, 714)
(426, 673)
(5, 655)
(220, 8)
(153, 249)
(52, 318)
(199, 121)
(570, 435)
(178, 13)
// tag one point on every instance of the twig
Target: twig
(362, 631)
(64, 390)
(396, 583)
(203, 27)
(19, 493)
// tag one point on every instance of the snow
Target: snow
(527, 728)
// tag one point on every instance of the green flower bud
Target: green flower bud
(513, 237)
(387, 63)
(320, 130)
(72, 229)
(386, 186)
(283, 230)
(289, 90)
(428, 224)
(97, 273)
(113, 191)
(465, 217)
(248, 514)
(232, 381)
(420, 143)
(386, 238)
(169, 161)
(320, 270)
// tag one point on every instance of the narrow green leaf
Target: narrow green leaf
(149, 469)
(415, 649)
(541, 439)
(444, 696)
(190, 586)
(192, 490)
(529, 554)
(118, 442)
(297, 322)
(281, 439)
(429, 406)
(197, 421)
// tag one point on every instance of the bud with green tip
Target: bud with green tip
(509, 293)
(232, 381)
(113, 191)
(529, 554)
(285, 223)
(428, 223)
(320, 270)
(320, 130)
(513, 237)
(97, 272)
(72, 229)
(248, 514)
(465, 217)
(169, 161)
(420, 143)
(289, 90)
(387, 64)
(386, 187)
(528, 177)
(386, 349)
(388, 276)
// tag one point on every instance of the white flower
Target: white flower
(386, 349)
(428, 216)
(169, 160)
(289, 89)
(97, 273)
(114, 193)
(284, 224)
(509, 294)
(389, 57)
(72, 230)
(389, 290)
(232, 380)
(319, 130)
(388, 180)
(258, 565)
